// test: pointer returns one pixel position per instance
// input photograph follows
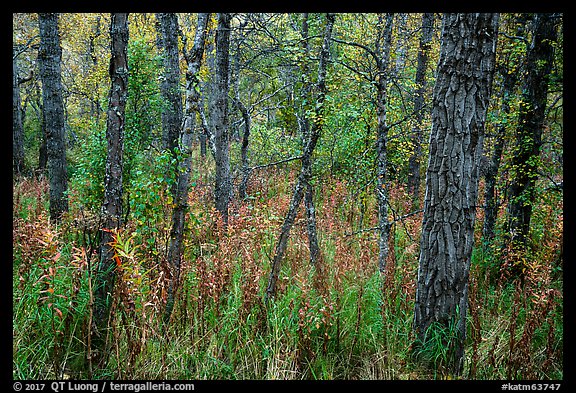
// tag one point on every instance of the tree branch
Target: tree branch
(275, 163)
(370, 51)
(401, 218)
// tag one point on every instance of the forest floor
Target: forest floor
(339, 319)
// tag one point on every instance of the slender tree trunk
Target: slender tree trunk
(420, 79)
(490, 200)
(219, 117)
(401, 45)
(531, 121)
(17, 127)
(311, 227)
(42, 149)
(461, 98)
(50, 59)
(244, 112)
(42, 153)
(244, 149)
(208, 93)
(170, 85)
(95, 108)
(112, 204)
(175, 248)
(383, 50)
(306, 169)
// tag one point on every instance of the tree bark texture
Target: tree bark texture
(175, 248)
(460, 101)
(383, 51)
(306, 169)
(50, 59)
(307, 88)
(112, 205)
(17, 127)
(420, 80)
(531, 119)
(170, 85)
(219, 117)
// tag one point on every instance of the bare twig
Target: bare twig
(401, 218)
(275, 163)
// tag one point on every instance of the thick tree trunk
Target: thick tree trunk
(416, 137)
(112, 204)
(530, 124)
(219, 117)
(306, 169)
(50, 59)
(175, 248)
(170, 85)
(461, 98)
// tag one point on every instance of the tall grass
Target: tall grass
(340, 319)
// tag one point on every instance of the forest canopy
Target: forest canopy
(288, 196)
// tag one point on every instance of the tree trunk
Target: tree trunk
(175, 248)
(420, 80)
(530, 124)
(311, 227)
(50, 59)
(219, 117)
(306, 169)
(383, 50)
(461, 98)
(509, 79)
(17, 127)
(42, 153)
(170, 85)
(112, 204)
(244, 149)
(401, 45)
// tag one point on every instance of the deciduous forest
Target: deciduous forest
(258, 196)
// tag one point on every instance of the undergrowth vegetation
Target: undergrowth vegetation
(340, 319)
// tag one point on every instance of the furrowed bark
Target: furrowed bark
(460, 102)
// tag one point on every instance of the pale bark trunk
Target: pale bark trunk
(383, 50)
